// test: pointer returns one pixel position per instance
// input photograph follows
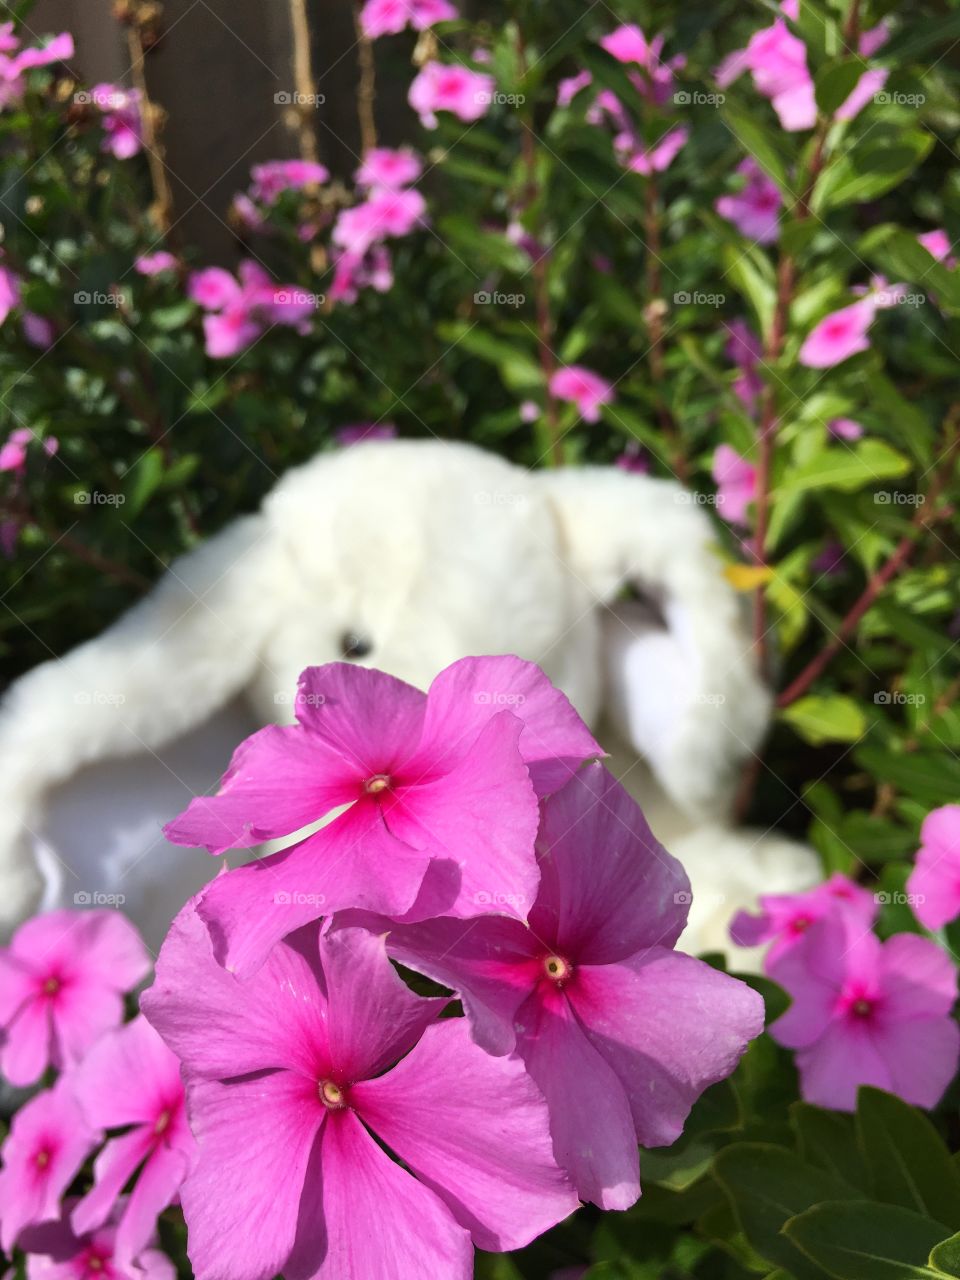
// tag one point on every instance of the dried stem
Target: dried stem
(306, 89)
(151, 115)
(367, 86)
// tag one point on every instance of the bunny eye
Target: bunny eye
(353, 645)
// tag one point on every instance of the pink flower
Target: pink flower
(48, 1142)
(745, 349)
(276, 176)
(466, 94)
(14, 65)
(934, 881)
(592, 996)
(777, 60)
(845, 429)
(736, 481)
(362, 432)
(869, 84)
(153, 264)
(387, 17)
(384, 215)
(292, 1087)
(830, 561)
(355, 271)
(568, 89)
(212, 288)
(628, 44)
(13, 454)
(839, 335)
(874, 39)
(62, 981)
(754, 209)
(785, 917)
(441, 787)
(122, 124)
(9, 292)
(388, 168)
(54, 1252)
(633, 459)
(937, 243)
(130, 1079)
(582, 387)
(868, 1012)
(38, 331)
(655, 159)
(246, 307)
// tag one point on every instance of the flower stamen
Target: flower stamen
(379, 782)
(331, 1095)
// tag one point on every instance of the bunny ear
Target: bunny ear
(680, 672)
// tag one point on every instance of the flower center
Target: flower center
(51, 986)
(163, 1121)
(862, 1008)
(557, 969)
(331, 1095)
(42, 1159)
(379, 782)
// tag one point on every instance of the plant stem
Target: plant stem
(367, 87)
(654, 313)
(151, 114)
(306, 89)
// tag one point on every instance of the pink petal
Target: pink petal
(220, 1027)
(352, 862)
(363, 1217)
(603, 908)
(921, 1057)
(371, 719)
(26, 1049)
(555, 741)
(280, 780)
(845, 1057)
(242, 1200)
(373, 1017)
(113, 1169)
(483, 1146)
(669, 1026)
(919, 980)
(113, 951)
(157, 1186)
(128, 1077)
(593, 1132)
(483, 814)
(81, 1012)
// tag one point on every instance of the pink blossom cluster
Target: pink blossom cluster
(653, 80)
(268, 182)
(121, 110)
(754, 208)
(63, 980)
(388, 17)
(239, 309)
(38, 331)
(471, 835)
(390, 210)
(862, 1011)
(844, 333)
(16, 61)
(452, 88)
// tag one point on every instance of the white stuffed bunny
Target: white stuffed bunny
(404, 556)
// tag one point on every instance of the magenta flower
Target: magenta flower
(13, 453)
(839, 335)
(122, 123)
(784, 918)
(845, 429)
(655, 159)
(592, 995)
(15, 62)
(464, 93)
(54, 1252)
(154, 264)
(754, 209)
(830, 561)
(9, 292)
(582, 387)
(866, 88)
(628, 44)
(47, 1144)
(274, 177)
(874, 39)
(937, 243)
(934, 882)
(361, 432)
(633, 459)
(387, 17)
(287, 1080)
(243, 309)
(745, 349)
(355, 271)
(736, 481)
(868, 1012)
(62, 981)
(777, 60)
(568, 89)
(130, 1079)
(441, 787)
(385, 214)
(384, 167)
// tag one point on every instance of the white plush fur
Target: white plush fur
(433, 551)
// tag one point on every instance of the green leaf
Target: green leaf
(835, 82)
(142, 481)
(946, 1256)
(831, 717)
(930, 777)
(908, 1162)
(847, 469)
(828, 1140)
(763, 144)
(901, 256)
(872, 167)
(752, 275)
(861, 1240)
(768, 1186)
